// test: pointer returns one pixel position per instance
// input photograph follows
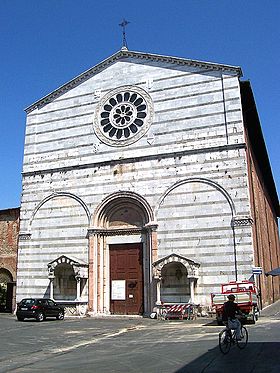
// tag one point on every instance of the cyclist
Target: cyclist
(230, 311)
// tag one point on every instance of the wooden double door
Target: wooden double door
(126, 279)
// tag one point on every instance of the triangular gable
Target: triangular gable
(79, 266)
(66, 259)
(124, 53)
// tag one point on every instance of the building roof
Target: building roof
(122, 54)
(10, 210)
(254, 130)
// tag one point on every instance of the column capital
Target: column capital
(24, 236)
(241, 221)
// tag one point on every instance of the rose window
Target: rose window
(123, 116)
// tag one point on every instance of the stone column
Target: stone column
(152, 256)
(92, 272)
(78, 292)
(154, 242)
(106, 288)
(51, 278)
(158, 301)
(100, 274)
(192, 289)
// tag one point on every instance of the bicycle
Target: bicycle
(227, 338)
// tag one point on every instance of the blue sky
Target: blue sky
(45, 43)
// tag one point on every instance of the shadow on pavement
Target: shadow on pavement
(210, 323)
(263, 357)
(215, 323)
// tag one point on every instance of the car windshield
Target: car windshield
(27, 302)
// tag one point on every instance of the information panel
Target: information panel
(118, 290)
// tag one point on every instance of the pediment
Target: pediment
(191, 266)
(80, 267)
(67, 260)
(133, 57)
(174, 258)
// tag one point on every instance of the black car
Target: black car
(39, 309)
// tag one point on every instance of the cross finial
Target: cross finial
(123, 25)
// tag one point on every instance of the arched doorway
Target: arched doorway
(6, 290)
(121, 247)
(126, 259)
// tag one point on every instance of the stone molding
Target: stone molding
(115, 231)
(151, 226)
(57, 195)
(133, 55)
(130, 197)
(141, 158)
(202, 180)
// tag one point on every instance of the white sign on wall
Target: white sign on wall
(118, 290)
(257, 270)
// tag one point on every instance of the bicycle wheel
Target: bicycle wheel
(224, 341)
(244, 338)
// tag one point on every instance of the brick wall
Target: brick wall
(265, 233)
(9, 230)
(263, 200)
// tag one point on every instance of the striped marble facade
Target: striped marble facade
(189, 167)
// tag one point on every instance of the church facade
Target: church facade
(142, 185)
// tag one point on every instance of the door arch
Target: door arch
(124, 219)
(6, 290)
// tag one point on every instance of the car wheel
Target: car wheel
(60, 316)
(219, 321)
(40, 317)
(20, 318)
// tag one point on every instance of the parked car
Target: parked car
(39, 309)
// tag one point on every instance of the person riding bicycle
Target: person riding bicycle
(230, 311)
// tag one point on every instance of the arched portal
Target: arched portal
(6, 290)
(122, 247)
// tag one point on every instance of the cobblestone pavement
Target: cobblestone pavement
(138, 345)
